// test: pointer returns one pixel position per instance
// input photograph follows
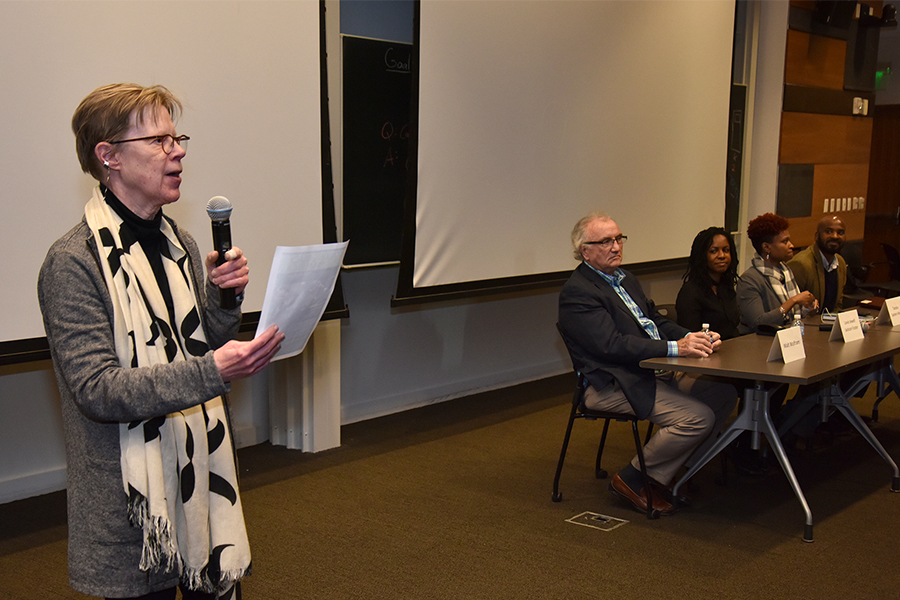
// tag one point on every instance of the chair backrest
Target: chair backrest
(893, 258)
(582, 382)
(856, 268)
(668, 311)
(859, 273)
(568, 347)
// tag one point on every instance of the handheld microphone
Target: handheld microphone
(219, 210)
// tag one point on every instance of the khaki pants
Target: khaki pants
(689, 410)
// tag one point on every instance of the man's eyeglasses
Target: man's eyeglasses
(166, 141)
(607, 242)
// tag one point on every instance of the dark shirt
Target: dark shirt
(697, 304)
(831, 290)
(149, 235)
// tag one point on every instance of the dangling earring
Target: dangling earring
(767, 256)
(106, 164)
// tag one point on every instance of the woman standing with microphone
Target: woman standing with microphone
(143, 353)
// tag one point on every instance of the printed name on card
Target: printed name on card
(890, 312)
(787, 345)
(846, 328)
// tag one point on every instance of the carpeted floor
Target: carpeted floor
(452, 501)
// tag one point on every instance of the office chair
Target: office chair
(885, 379)
(893, 259)
(579, 411)
(889, 288)
(668, 311)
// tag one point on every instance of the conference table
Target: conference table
(745, 358)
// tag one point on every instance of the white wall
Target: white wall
(31, 444)
(766, 40)
(402, 358)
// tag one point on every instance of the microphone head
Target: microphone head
(218, 208)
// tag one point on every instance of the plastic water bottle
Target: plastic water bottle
(798, 322)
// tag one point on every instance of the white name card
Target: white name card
(846, 327)
(890, 312)
(787, 345)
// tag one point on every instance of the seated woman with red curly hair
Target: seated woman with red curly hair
(767, 292)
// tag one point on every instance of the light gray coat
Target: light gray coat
(97, 394)
(758, 302)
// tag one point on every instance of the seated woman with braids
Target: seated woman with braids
(708, 293)
(708, 296)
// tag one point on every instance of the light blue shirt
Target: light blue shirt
(828, 266)
(615, 281)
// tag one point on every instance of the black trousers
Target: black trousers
(186, 594)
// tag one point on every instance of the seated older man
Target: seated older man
(610, 326)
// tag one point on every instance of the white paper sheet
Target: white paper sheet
(300, 285)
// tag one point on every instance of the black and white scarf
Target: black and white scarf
(782, 281)
(178, 470)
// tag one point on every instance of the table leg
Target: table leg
(775, 444)
(832, 396)
(840, 402)
(754, 417)
(745, 421)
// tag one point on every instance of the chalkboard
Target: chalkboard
(376, 100)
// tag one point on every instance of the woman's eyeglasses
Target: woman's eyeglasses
(167, 141)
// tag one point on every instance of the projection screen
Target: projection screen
(534, 113)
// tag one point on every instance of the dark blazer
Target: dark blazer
(606, 341)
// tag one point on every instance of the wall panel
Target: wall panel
(817, 139)
(814, 60)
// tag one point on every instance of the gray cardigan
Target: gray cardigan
(757, 301)
(97, 394)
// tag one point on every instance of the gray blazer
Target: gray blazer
(757, 301)
(97, 394)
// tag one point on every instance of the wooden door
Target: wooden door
(883, 202)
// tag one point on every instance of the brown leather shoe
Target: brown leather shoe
(619, 488)
(665, 491)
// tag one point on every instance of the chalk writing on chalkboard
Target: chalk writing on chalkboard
(392, 134)
(392, 63)
(376, 95)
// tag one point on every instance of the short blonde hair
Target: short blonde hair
(578, 232)
(105, 114)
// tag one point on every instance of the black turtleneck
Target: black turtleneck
(149, 235)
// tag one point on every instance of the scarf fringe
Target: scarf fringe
(199, 580)
(160, 550)
(137, 508)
